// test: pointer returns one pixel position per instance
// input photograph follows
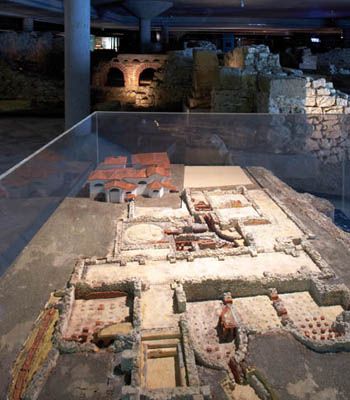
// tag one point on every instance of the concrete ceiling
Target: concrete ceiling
(285, 8)
(202, 14)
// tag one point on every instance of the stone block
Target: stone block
(333, 110)
(130, 393)
(205, 390)
(325, 101)
(342, 102)
(310, 101)
(229, 78)
(237, 57)
(313, 110)
(318, 83)
(205, 70)
(127, 361)
(312, 145)
(310, 92)
(180, 299)
(293, 87)
(323, 92)
(317, 134)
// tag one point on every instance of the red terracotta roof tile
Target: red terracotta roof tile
(155, 185)
(120, 185)
(169, 185)
(157, 170)
(150, 158)
(100, 175)
(117, 174)
(121, 173)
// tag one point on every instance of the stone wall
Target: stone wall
(31, 72)
(204, 75)
(41, 93)
(336, 60)
(35, 51)
(253, 80)
(294, 94)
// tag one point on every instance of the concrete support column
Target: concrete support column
(77, 60)
(145, 34)
(165, 35)
(346, 37)
(28, 24)
(145, 10)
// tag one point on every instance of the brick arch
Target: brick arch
(143, 71)
(131, 69)
(143, 66)
(101, 77)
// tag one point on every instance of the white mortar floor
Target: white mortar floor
(257, 313)
(161, 272)
(199, 177)
(157, 308)
(159, 212)
(281, 226)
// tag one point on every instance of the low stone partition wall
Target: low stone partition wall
(213, 289)
(323, 293)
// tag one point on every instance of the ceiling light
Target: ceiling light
(242, 3)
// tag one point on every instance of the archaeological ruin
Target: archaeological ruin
(171, 309)
(174, 200)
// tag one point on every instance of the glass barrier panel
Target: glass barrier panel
(31, 191)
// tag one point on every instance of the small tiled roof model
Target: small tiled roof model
(117, 174)
(120, 185)
(149, 175)
(147, 159)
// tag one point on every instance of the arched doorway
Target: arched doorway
(115, 195)
(100, 197)
(115, 78)
(146, 77)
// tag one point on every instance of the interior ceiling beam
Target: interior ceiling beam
(52, 11)
(46, 5)
(102, 3)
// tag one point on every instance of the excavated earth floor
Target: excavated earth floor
(296, 372)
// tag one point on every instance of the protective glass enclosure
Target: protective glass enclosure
(298, 153)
